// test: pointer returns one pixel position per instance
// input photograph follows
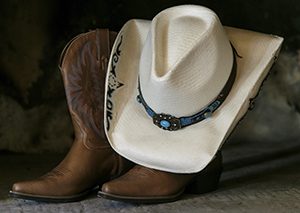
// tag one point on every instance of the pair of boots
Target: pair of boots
(91, 163)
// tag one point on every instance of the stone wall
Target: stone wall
(34, 116)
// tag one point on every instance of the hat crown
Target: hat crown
(185, 62)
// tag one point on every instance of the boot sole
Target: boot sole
(156, 199)
(53, 199)
(141, 200)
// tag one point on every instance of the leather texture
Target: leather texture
(90, 161)
(144, 185)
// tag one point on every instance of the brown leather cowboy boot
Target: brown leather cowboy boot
(145, 185)
(91, 161)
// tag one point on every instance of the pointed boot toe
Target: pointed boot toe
(31, 190)
(124, 186)
(21, 187)
(26, 187)
(111, 188)
(18, 187)
(48, 188)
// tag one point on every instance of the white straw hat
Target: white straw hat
(192, 87)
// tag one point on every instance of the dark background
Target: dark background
(33, 33)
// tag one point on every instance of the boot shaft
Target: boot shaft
(83, 63)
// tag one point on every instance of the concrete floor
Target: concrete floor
(257, 177)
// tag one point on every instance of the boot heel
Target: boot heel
(208, 179)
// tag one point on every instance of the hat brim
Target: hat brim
(131, 132)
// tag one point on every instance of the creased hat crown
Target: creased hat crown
(185, 62)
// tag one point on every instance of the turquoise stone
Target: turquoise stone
(165, 124)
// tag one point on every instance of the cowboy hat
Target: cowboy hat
(177, 86)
